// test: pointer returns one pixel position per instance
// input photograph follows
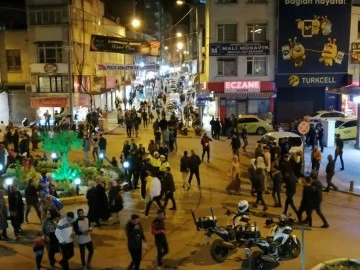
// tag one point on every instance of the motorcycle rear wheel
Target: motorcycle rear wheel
(256, 262)
(218, 252)
(296, 249)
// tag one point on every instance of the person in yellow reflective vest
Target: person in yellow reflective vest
(155, 160)
(164, 164)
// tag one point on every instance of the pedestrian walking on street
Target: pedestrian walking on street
(116, 202)
(217, 129)
(235, 145)
(153, 193)
(205, 142)
(234, 172)
(158, 230)
(102, 203)
(212, 125)
(16, 208)
(48, 228)
(129, 126)
(64, 232)
(316, 157)
(95, 152)
(330, 172)
(38, 249)
(251, 175)
(259, 187)
(31, 199)
(185, 169)
(317, 200)
(277, 180)
(290, 182)
(86, 149)
(194, 168)
(244, 136)
(339, 150)
(307, 202)
(320, 136)
(169, 188)
(3, 216)
(102, 146)
(82, 230)
(136, 240)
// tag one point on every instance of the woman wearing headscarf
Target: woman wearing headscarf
(91, 197)
(16, 207)
(234, 184)
(115, 201)
(251, 174)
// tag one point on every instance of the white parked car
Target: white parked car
(272, 138)
(324, 115)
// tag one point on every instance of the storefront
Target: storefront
(4, 105)
(243, 97)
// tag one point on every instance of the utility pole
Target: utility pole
(70, 72)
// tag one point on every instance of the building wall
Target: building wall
(241, 13)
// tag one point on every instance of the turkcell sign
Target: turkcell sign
(310, 80)
(313, 38)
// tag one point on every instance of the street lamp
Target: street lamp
(8, 183)
(180, 2)
(179, 34)
(166, 48)
(135, 23)
(180, 45)
(77, 182)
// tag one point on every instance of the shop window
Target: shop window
(358, 29)
(13, 59)
(50, 52)
(227, 67)
(48, 16)
(259, 107)
(227, 32)
(257, 1)
(256, 32)
(53, 84)
(256, 66)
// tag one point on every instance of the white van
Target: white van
(271, 138)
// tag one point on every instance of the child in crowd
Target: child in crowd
(38, 248)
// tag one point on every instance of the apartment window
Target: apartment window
(256, 66)
(227, 32)
(53, 84)
(227, 67)
(226, 1)
(50, 52)
(49, 16)
(358, 29)
(256, 32)
(13, 59)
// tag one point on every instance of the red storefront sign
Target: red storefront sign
(49, 102)
(242, 86)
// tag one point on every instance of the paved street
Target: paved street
(187, 250)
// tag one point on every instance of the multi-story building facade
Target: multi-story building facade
(38, 60)
(240, 55)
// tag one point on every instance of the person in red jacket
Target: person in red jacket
(205, 142)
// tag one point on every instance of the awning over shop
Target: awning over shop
(346, 90)
(244, 95)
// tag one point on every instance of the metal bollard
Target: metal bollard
(351, 186)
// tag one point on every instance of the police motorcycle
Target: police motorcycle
(237, 232)
(279, 244)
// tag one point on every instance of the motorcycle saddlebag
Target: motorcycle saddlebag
(205, 223)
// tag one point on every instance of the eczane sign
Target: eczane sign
(242, 86)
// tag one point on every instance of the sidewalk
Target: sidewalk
(341, 179)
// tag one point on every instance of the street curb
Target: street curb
(349, 192)
(329, 262)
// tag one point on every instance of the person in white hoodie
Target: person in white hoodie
(64, 234)
(82, 230)
(154, 193)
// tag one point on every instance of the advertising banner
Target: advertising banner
(355, 53)
(311, 80)
(239, 49)
(49, 102)
(124, 45)
(313, 36)
(127, 67)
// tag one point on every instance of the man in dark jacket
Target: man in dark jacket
(290, 181)
(31, 199)
(320, 137)
(212, 125)
(330, 172)
(158, 230)
(205, 142)
(169, 188)
(16, 208)
(277, 180)
(102, 146)
(184, 169)
(235, 145)
(339, 150)
(317, 200)
(306, 201)
(194, 167)
(136, 237)
(217, 129)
